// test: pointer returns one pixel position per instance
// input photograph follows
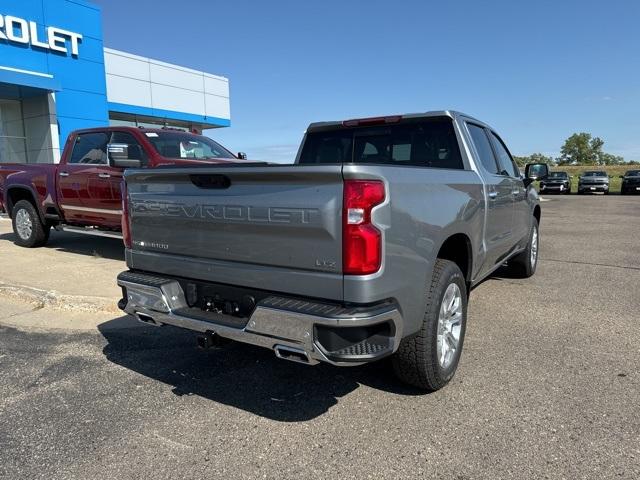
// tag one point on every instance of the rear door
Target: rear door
(104, 184)
(508, 168)
(499, 218)
(89, 151)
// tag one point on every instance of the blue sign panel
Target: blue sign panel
(56, 46)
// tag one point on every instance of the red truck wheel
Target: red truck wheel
(29, 230)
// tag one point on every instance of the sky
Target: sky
(537, 71)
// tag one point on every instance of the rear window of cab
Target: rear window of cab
(425, 143)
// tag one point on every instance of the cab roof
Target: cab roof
(389, 119)
(131, 129)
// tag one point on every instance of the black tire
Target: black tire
(416, 361)
(39, 233)
(522, 265)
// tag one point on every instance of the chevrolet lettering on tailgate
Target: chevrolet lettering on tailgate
(238, 213)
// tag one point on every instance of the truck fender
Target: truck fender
(29, 194)
(456, 246)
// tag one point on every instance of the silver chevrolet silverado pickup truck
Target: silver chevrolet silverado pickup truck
(366, 247)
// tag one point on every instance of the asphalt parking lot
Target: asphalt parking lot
(548, 385)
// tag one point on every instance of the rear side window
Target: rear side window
(90, 148)
(483, 147)
(428, 143)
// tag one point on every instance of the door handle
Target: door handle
(104, 175)
(63, 174)
(493, 195)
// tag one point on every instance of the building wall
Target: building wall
(41, 129)
(81, 101)
(64, 91)
(143, 86)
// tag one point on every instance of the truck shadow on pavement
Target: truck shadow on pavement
(239, 375)
(109, 248)
(503, 273)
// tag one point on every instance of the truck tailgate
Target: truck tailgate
(262, 222)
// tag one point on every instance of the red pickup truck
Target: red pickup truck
(82, 192)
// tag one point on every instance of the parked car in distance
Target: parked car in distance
(559, 182)
(630, 182)
(593, 181)
(82, 192)
(366, 248)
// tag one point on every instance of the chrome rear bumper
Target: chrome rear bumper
(278, 323)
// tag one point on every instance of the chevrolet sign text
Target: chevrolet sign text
(19, 30)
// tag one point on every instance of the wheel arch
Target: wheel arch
(537, 212)
(21, 192)
(457, 249)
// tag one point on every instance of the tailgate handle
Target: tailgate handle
(210, 181)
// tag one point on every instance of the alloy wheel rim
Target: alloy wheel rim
(24, 226)
(449, 325)
(534, 246)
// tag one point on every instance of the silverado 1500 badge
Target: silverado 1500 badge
(160, 246)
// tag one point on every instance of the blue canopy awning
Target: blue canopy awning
(26, 81)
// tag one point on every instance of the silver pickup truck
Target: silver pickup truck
(366, 247)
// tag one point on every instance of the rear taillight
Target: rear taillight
(361, 240)
(126, 224)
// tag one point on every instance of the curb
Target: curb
(52, 299)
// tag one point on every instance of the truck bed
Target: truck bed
(38, 179)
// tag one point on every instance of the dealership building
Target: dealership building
(56, 76)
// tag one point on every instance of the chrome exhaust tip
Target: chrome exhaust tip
(292, 354)
(148, 319)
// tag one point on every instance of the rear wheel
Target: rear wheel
(429, 358)
(29, 230)
(524, 264)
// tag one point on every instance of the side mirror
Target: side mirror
(535, 171)
(242, 155)
(121, 155)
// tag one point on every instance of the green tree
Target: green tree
(609, 159)
(581, 149)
